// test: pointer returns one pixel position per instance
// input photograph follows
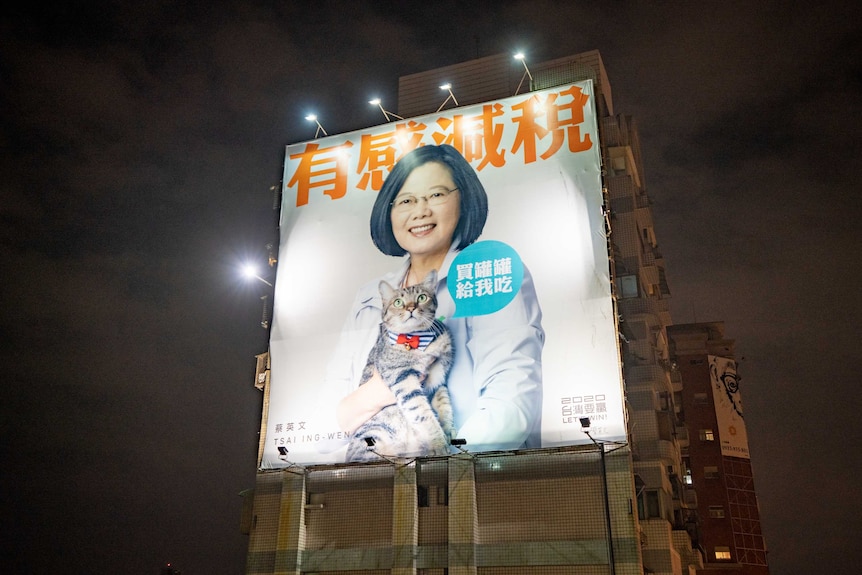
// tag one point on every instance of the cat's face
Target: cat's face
(412, 308)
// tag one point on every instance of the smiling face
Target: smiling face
(424, 230)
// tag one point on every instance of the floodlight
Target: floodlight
(520, 56)
(313, 118)
(585, 427)
(271, 259)
(448, 87)
(376, 102)
(264, 315)
(282, 455)
(459, 443)
(369, 441)
(250, 272)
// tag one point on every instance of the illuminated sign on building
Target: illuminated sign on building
(728, 407)
(527, 304)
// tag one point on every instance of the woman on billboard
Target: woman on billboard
(431, 206)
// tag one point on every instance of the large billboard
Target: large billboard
(505, 346)
(728, 407)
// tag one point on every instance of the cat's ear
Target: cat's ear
(430, 280)
(386, 291)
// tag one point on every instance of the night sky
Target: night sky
(139, 142)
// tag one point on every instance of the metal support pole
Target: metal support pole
(611, 562)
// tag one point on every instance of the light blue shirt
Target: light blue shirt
(496, 377)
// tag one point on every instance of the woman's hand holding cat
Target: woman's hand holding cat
(363, 403)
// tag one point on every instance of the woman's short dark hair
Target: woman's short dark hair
(474, 200)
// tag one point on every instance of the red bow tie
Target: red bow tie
(411, 340)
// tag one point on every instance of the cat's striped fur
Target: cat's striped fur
(420, 423)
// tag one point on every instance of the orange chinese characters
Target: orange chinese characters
(558, 121)
(324, 168)
(475, 137)
(561, 119)
(377, 153)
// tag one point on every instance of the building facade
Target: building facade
(716, 462)
(616, 508)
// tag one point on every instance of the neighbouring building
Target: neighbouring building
(715, 460)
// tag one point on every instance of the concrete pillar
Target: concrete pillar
(291, 525)
(463, 516)
(405, 521)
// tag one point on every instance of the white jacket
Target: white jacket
(496, 378)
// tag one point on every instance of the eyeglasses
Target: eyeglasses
(406, 203)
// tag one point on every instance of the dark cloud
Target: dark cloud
(755, 128)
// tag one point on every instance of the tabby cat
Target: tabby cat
(413, 355)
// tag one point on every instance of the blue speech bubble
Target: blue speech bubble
(484, 278)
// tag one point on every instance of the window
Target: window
(653, 509)
(428, 496)
(627, 286)
(443, 495)
(722, 553)
(716, 512)
(707, 435)
(710, 472)
(315, 498)
(664, 402)
(649, 236)
(648, 504)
